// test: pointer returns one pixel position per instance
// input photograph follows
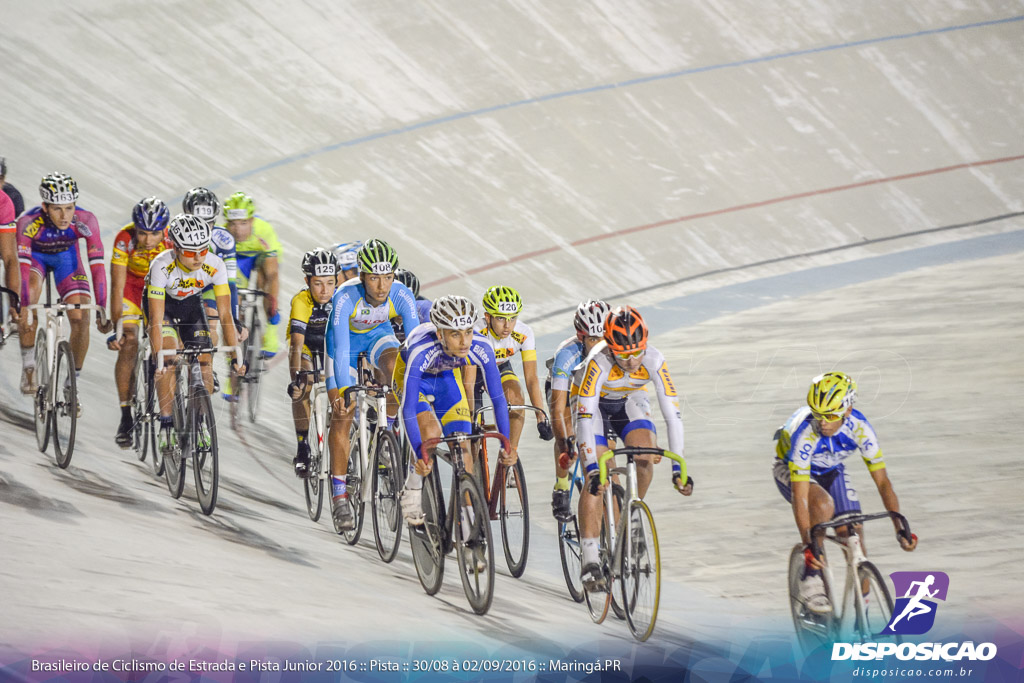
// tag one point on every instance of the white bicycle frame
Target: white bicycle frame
(55, 315)
(855, 557)
(320, 416)
(366, 445)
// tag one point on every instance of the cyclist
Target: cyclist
(174, 307)
(346, 253)
(10, 190)
(135, 247)
(432, 394)
(589, 324)
(613, 397)
(307, 329)
(809, 469)
(48, 242)
(407, 278)
(360, 322)
(509, 335)
(258, 249)
(9, 248)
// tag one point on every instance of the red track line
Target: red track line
(719, 212)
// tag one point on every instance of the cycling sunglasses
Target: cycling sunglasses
(192, 253)
(630, 355)
(829, 417)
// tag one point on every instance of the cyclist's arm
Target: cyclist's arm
(411, 397)
(801, 511)
(338, 342)
(24, 257)
(469, 384)
(533, 386)
(9, 245)
(269, 280)
(94, 249)
(405, 306)
(668, 399)
(299, 316)
(482, 354)
(223, 294)
(155, 296)
(588, 411)
(118, 276)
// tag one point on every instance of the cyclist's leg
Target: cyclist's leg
(27, 325)
(381, 346)
(639, 430)
(267, 267)
(300, 406)
(131, 304)
(73, 288)
(338, 438)
(514, 395)
(165, 382)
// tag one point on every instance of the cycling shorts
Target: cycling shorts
(836, 483)
(185, 320)
(68, 271)
(507, 373)
(620, 417)
(131, 300)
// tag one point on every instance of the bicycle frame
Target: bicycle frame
(368, 395)
(6, 328)
(499, 471)
(55, 316)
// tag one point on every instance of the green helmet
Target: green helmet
(504, 302)
(377, 257)
(239, 206)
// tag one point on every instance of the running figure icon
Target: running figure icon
(916, 606)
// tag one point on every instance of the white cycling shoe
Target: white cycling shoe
(812, 594)
(412, 506)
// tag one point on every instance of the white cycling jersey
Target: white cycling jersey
(520, 341)
(805, 451)
(167, 277)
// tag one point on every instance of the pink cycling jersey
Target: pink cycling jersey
(38, 235)
(7, 219)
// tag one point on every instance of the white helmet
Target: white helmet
(453, 313)
(590, 317)
(58, 188)
(189, 232)
(347, 253)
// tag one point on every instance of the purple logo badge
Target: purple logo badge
(914, 612)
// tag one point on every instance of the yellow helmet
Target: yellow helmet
(831, 394)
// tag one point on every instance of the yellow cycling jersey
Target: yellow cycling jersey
(309, 318)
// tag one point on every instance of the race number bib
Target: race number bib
(323, 269)
(507, 307)
(381, 268)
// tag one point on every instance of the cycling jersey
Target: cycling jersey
(807, 452)
(44, 248)
(424, 370)
(127, 254)
(567, 356)
(223, 244)
(310, 319)
(260, 244)
(356, 326)
(8, 215)
(520, 341)
(606, 388)
(422, 312)
(168, 278)
(15, 196)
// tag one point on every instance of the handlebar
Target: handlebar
(119, 325)
(245, 291)
(374, 390)
(459, 437)
(847, 520)
(630, 451)
(101, 312)
(483, 409)
(13, 296)
(192, 351)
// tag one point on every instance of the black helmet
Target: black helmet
(319, 261)
(202, 203)
(409, 279)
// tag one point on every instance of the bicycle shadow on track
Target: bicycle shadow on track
(93, 484)
(240, 535)
(14, 493)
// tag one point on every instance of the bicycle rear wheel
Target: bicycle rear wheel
(205, 462)
(473, 545)
(812, 630)
(354, 485)
(878, 606)
(140, 435)
(254, 367)
(65, 406)
(42, 413)
(569, 551)
(427, 541)
(313, 485)
(387, 513)
(641, 571)
(151, 423)
(174, 462)
(514, 509)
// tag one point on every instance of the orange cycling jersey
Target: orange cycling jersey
(126, 253)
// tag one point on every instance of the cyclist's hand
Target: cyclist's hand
(810, 561)
(656, 458)
(243, 334)
(161, 371)
(113, 343)
(508, 459)
(544, 429)
(685, 489)
(595, 486)
(273, 315)
(422, 467)
(239, 368)
(104, 327)
(907, 545)
(296, 389)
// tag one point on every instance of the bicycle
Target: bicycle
(195, 428)
(55, 405)
(8, 299)
(511, 506)
(569, 532)
(370, 434)
(142, 396)
(814, 630)
(464, 526)
(319, 472)
(252, 356)
(629, 547)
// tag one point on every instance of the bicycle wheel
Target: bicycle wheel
(354, 485)
(473, 545)
(514, 508)
(641, 571)
(427, 541)
(255, 367)
(878, 606)
(65, 406)
(598, 603)
(569, 552)
(387, 513)
(152, 424)
(174, 462)
(42, 413)
(615, 587)
(140, 436)
(812, 630)
(205, 465)
(313, 485)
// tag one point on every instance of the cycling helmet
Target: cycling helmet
(189, 232)
(504, 302)
(453, 313)
(346, 254)
(239, 206)
(58, 188)
(625, 330)
(319, 262)
(201, 202)
(590, 317)
(377, 257)
(150, 215)
(831, 394)
(409, 279)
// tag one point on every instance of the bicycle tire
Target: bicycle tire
(615, 586)
(569, 553)
(205, 456)
(427, 541)
(641, 596)
(880, 604)
(387, 512)
(477, 583)
(252, 397)
(174, 462)
(312, 484)
(514, 512)
(138, 406)
(65, 406)
(812, 630)
(151, 424)
(42, 413)
(354, 485)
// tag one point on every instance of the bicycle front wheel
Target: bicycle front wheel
(65, 406)
(140, 434)
(174, 462)
(205, 465)
(812, 630)
(427, 541)
(313, 484)
(387, 513)
(640, 561)
(42, 413)
(514, 509)
(255, 367)
(569, 552)
(878, 606)
(354, 485)
(475, 551)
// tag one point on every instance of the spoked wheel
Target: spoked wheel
(641, 571)
(514, 509)
(42, 413)
(313, 484)
(152, 425)
(877, 606)
(205, 463)
(140, 435)
(427, 541)
(474, 549)
(599, 602)
(387, 513)
(174, 462)
(354, 484)
(65, 406)
(616, 586)
(569, 551)
(812, 630)
(254, 368)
